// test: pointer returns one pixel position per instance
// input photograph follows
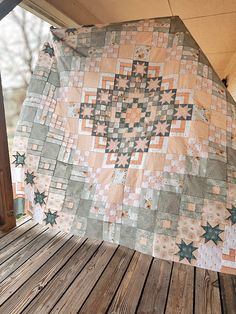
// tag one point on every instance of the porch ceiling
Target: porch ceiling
(211, 22)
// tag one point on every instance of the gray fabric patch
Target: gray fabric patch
(146, 219)
(128, 235)
(50, 150)
(94, 229)
(84, 207)
(169, 202)
(39, 131)
(74, 188)
(36, 86)
(195, 186)
(216, 169)
(62, 170)
(231, 156)
(28, 114)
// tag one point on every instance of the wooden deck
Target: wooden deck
(42, 272)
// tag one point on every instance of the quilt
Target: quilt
(128, 135)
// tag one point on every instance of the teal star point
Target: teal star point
(186, 251)
(71, 30)
(39, 198)
(19, 159)
(56, 38)
(29, 178)
(48, 49)
(232, 216)
(51, 218)
(212, 233)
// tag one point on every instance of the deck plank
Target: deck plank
(155, 292)
(23, 220)
(19, 243)
(45, 301)
(127, 297)
(14, 234)
(23, 273)
(77, 293)
(18, 224)
(44, 271)
(7, 268)
(228, 293)
(107, 285)
(32, 287)
(207, 292)
(180, 296)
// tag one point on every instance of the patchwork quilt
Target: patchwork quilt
(128, 135)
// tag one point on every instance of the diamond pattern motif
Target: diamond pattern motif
(128, 135)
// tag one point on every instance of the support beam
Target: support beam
(48, 13)
(7, 217)
(60, 13)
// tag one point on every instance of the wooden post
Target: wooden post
(6, 6)
(7, 217)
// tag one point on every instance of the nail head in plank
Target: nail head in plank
(155, 292)
(180, 296)
(102, 293)
(127, 296)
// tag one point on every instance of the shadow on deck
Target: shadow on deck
(42, 271)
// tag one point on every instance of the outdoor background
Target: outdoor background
(22, 36)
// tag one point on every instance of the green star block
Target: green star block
(212, 233)
(48, 49)
(19, 159)
(29, 178)
(39, 198)
(51, 218)
(232, 216)
(186, 251)
(71, 30)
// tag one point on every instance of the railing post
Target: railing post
(7, 217)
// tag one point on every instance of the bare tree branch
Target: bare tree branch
(21, 36)
(21, 22)
(11, 63)
(19, 51)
